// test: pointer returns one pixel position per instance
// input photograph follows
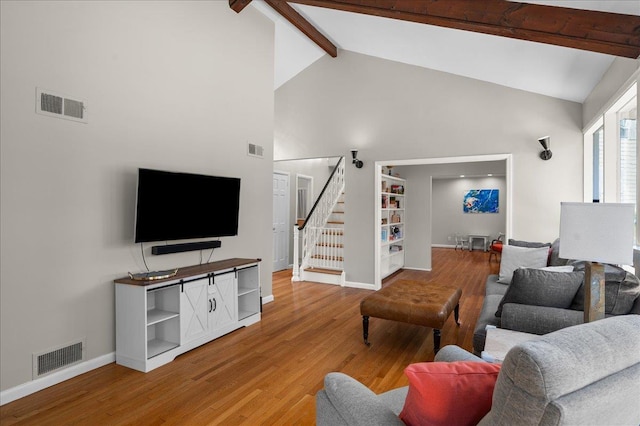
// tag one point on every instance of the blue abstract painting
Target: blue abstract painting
(481, 201)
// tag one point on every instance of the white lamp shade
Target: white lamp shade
(597, 232)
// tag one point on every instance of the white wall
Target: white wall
(393, 111)
(618, 73)
(173, 85)
(448, 217)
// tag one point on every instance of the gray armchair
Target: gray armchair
(588, 374)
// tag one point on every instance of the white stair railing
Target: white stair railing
(314, 229)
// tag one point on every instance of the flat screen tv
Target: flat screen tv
(178, 206)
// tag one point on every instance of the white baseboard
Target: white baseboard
(354, 284)
(37, 385)
(417, 269)
(267, 299)
(443, 246)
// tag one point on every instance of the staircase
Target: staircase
(323, 235)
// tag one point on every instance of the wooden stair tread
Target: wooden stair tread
(335, 222)
(323, 271)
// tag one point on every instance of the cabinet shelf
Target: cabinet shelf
(156, 347)
(245, 314)
(155, 316)
(245, 291)
(391, 207)
(391, 242)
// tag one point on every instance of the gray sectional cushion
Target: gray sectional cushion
(542, 288)
(538, 319)
(622, 289)
(560, 379)
(492, 286)
(353, 403)
(514, 257)
(487, 317)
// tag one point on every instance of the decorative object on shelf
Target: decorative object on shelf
(153, 275)
(397, 189)
(597, 233)
(389, 168)
(545, 141)
(356, 162)
(481, 201)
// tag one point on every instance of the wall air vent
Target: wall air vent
(55, 359)
(60, 106)
(255, 150)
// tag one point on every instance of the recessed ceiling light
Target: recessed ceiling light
(490, 174)
(461, 175)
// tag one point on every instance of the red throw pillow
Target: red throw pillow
(449, 393)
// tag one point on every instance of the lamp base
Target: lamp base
(593, 291)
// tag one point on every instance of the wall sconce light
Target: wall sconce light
(545, 142)
(356, 162)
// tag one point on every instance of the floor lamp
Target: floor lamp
(597, 233)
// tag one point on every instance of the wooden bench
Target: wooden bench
(413, 302)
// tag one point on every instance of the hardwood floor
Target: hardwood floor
(267, 373)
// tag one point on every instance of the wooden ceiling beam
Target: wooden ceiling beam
(291, 15)
(602, 32)
(238, 5)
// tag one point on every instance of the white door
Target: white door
(194, 321)
(222, 301)
(280, 221)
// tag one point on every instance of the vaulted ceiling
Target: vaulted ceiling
(552, 50)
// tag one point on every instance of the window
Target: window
(598, 165)
(611, 154)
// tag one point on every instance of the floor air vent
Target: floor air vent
(255, 150)
(60, 106)
(55, 359)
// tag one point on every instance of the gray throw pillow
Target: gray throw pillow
(621, 289)
(529, 244)
(554, 256)
(542, 288)
(514, 257)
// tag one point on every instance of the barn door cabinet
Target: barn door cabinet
(159, 320)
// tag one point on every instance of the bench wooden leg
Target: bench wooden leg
(365, 329)
(436, 340)
(456, 312)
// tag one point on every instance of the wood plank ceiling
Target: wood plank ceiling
(602, 32)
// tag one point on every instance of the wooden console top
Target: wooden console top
(190, 271)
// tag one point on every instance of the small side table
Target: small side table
(484, 239)
(499, 341)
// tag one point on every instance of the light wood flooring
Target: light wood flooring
(267, 373)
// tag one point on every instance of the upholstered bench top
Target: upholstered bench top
(413, 302)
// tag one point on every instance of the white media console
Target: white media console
(161, 319)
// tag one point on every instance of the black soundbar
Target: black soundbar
(179, 248)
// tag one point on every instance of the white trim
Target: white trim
(37, 385)
(606, 107)
(443, 246)
(267, 299)
(508, 158)
(365, 286)
(417, 269)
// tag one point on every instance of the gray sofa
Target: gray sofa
(622, 297)
(587, 374)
